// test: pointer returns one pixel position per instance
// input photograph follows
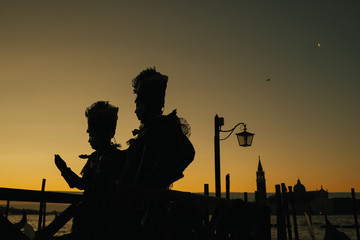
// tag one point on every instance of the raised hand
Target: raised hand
(60, 163)
(84, 156)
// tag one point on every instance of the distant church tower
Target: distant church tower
(260, 183)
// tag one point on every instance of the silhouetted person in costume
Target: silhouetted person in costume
(160, 151)
(99, 175)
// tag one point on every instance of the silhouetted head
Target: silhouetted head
(102, 118)
(150, 87)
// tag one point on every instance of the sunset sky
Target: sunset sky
(59, 57)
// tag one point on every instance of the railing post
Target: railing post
(7, 208)
(41, 205)
(44, 213)
(245, 197)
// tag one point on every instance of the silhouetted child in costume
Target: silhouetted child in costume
(99, 175)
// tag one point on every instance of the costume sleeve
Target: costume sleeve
(181, 155)
(171, 152)
(72, 179)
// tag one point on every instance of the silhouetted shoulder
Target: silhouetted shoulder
(108, 164)
(164, 149)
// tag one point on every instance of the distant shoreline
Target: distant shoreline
(18, 211)
(52, 208)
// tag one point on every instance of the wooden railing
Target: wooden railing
(212, 218)
(37, 196)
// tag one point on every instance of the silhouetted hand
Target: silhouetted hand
(83, 156)
(60, 163)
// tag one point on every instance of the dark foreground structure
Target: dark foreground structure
(189, 216)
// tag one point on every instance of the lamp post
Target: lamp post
(244, 138)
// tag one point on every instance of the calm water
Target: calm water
(318, 225)
(33, 221)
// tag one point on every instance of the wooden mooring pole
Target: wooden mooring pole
(355, 213)
(280, 219)
(291, 199)
(245, 197)
(286, 209)
(206, 210)
(206, 189)
(228, 186)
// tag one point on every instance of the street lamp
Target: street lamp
(244, 138)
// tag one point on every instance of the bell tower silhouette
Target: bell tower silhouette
(260, 184)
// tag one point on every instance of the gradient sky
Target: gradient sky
(58, 57)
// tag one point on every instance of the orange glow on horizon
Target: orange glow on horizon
(57, 58)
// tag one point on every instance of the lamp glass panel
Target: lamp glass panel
(245, 138)
(241, 139)
(249, 139)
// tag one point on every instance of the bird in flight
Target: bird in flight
(268, 79)
(319, 45)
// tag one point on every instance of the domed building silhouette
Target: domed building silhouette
(298, 187)
(312, 202)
